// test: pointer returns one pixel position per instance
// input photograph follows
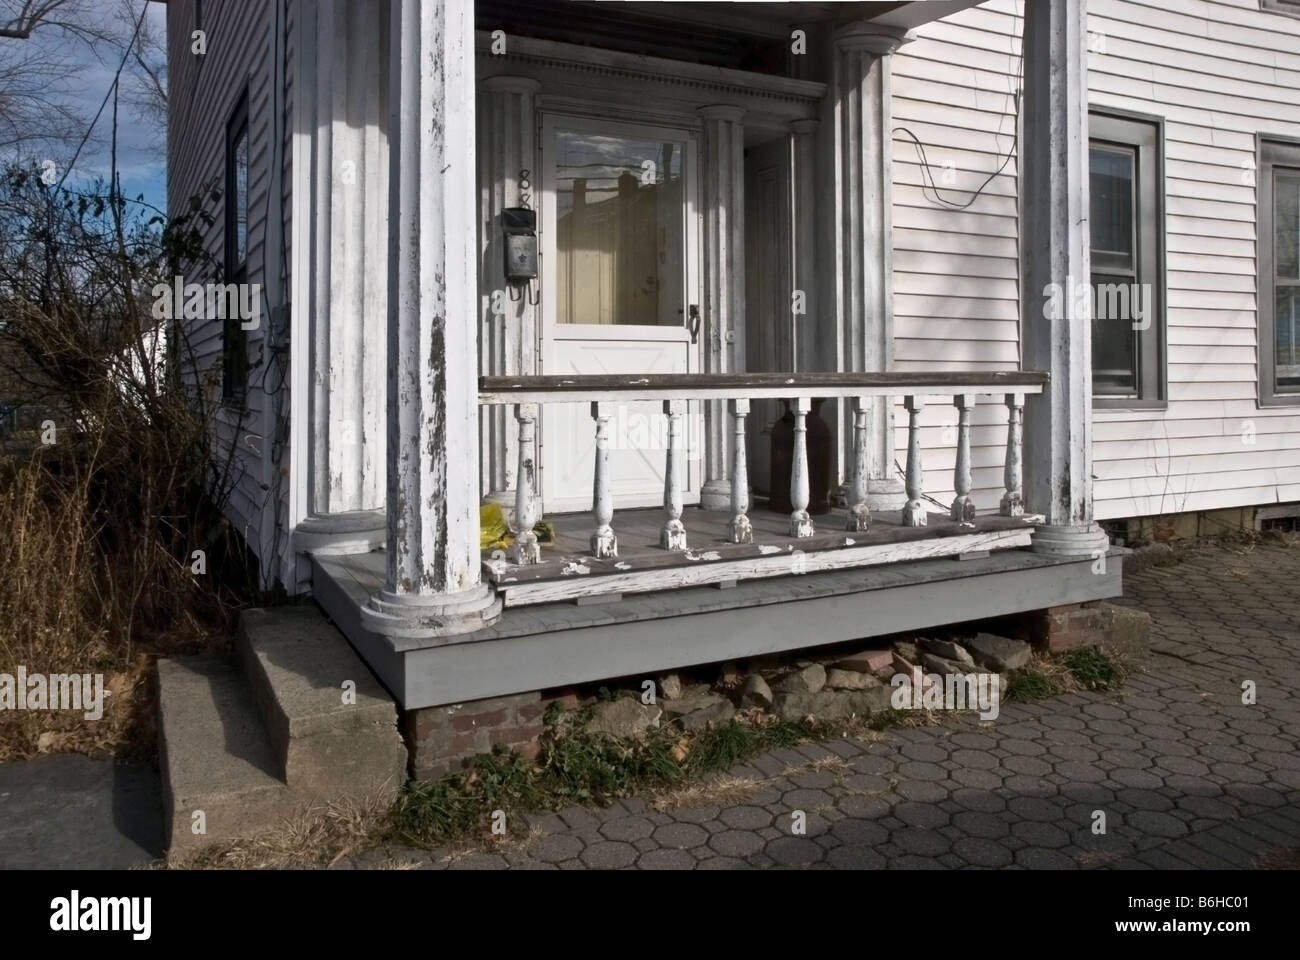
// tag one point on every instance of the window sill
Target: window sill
(1128, 403)
(1279, 400)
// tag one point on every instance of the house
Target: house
(980, 275)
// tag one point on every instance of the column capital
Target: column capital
(871, 37)
(507, 84)
(721, 111)
(804, 127)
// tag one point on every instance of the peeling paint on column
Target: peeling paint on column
(434, 578)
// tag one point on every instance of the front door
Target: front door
(619, 243)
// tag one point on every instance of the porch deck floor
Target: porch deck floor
(707, 543)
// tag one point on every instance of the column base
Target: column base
(1070, 540)
(441, 615)
(504, 498)
(334, 534)
(716, 495)
(885, 494)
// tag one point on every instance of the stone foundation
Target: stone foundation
(441, 739)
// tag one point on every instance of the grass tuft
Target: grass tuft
(1093, 669)
(582, 767)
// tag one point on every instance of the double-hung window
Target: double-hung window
(1279, 272)
(1126, 217)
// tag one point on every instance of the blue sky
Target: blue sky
(89, 72)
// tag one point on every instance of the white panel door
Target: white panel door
(619, 243)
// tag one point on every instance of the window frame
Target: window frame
(1270, 151)
(1145, 135)
(1287, 8)
(234, 338)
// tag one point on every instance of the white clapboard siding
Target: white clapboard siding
(1218, 72)
(956, 287)
(202, 92)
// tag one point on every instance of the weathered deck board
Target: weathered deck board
(706, 534)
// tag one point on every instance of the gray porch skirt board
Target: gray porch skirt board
(562, 644)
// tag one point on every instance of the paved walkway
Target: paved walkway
(1184, 772)
(69, 811)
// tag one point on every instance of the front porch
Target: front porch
(636, 591)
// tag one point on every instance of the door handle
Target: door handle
(695, 322)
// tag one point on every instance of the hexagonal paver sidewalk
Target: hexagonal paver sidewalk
(1184, 773)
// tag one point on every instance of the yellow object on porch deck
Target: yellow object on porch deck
(494, 533)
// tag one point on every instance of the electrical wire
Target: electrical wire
(927, 173)
(111, 90)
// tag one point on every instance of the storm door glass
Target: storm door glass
(620, 230)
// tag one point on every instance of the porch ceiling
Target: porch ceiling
(748, 36)
(773, 20)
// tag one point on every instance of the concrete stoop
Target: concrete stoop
(303, 721)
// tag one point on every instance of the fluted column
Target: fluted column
(804, 220)
(862, 246)
(348, 296)
(1055, 241)
(723, 306)
(433, 585)
(507, 144)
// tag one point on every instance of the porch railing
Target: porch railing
(605, 392)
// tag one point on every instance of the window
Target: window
(620, 222)
(234, 339)
(1126, 217)
(1279, 272)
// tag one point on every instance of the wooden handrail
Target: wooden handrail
(726, 386)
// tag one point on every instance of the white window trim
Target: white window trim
(1283, 152)
(1147, 132)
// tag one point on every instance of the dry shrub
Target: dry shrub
(100, 524)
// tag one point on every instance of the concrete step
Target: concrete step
(331, 725)
(215, 758)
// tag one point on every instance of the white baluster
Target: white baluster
(963, 509)
(526, 548)
(1013, 501)
(859, 513)
(739, 529)
(914, 514)
(603, 541)
(673, 535)
(801, 524)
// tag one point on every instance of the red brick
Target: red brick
(867, 661)
(471, 721)
(460, 743)
(567, 701)
(516, 735)
(532, 711)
